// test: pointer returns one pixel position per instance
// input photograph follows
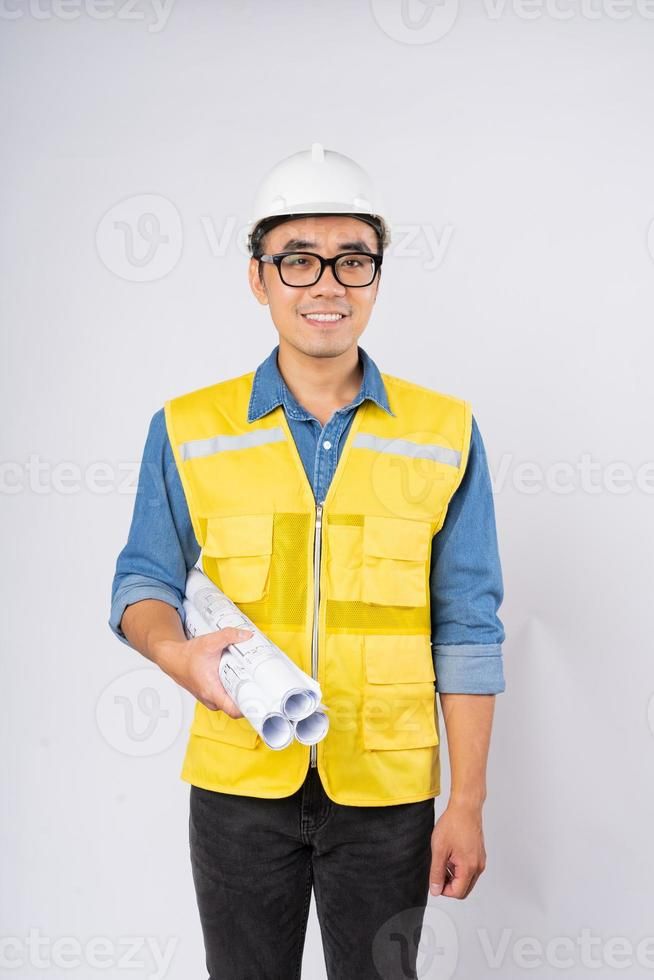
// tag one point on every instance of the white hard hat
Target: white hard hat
(318, 181)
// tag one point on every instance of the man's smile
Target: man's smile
(322, 317)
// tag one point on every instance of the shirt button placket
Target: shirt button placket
(326, 464)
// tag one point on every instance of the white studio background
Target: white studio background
(514, 143)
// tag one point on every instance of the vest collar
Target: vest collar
(270, 390)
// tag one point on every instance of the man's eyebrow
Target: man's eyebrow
(300, 243)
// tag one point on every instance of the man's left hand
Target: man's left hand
(458, 856)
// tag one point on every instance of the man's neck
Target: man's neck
(321, 384)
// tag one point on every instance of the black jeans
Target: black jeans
(254, 863)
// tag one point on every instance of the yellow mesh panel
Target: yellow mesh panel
(362, 617)
(285, 604)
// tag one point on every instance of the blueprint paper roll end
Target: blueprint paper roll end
(298, 704)
(312, 729)
(277, 732)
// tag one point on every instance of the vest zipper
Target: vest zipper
(317, 544)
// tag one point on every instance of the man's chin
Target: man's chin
(319, 344)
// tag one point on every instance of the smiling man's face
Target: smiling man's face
(291, 307)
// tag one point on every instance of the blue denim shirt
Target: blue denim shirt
(466, 577)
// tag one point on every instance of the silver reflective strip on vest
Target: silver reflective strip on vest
(403, 447)
(220, 444)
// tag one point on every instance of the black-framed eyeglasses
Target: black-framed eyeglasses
(355, 269)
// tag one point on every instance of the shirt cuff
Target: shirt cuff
(469, 668)
(134, 593)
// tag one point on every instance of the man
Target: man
(349, 513)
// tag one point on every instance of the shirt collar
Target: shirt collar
(270, 390)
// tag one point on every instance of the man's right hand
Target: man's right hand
(154, 628)
(199, 674)
(194, 663)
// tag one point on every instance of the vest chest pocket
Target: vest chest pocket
(242, 548)
(399, 703)
(395, 561)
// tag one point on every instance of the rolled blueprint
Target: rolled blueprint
(276, 730)
(268, 687)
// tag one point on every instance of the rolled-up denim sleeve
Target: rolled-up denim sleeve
(161, 545)
(467, 587)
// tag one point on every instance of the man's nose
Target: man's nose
(328, 283)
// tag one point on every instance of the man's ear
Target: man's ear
(257, 283)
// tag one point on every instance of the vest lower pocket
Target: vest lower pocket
(395, 561)
(222, 728)
(399, 701)
(242, 548)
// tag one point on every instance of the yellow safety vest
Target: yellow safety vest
(341, 586)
